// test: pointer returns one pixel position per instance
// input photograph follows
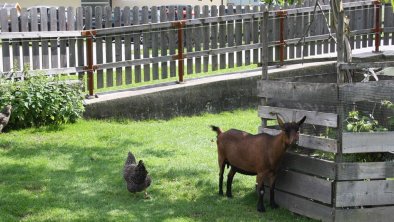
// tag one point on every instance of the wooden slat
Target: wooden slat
(63, 42)
(305, 22)
(358, 25)
(304, 185)
(381, 214)
(312, 117)
(255, 35)
(172, 41)
(205, 11)
(298, 34)
(312, 142)
(303, 206)
(214, 38)
(164, 38)
(35, 44)
(368, 142)
(71, 42)
(5, 43)
(302, 163)
(296, 91)
(369, 91)
(80, 42)
(39, 34)
(99, 46)
(146, 44)
(291, 29)
(370, 24)
(137, 44)
(155, 44)
(366, 65)
(197, 38)
(247, 35)
(361, 171)
(118, 47)
(126, 16)
(189, 31)
(53, 27)
(230, 37)
(238, 35)
(16, 55)
(222, 37)
(108, 46)
(24, 21)
(364, 193)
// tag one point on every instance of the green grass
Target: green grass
(74, 173)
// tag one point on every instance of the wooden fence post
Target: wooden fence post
(89, 68)
(377, 28)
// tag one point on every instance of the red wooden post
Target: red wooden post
(90, 67)
(377, 28)
(282, 44)
(179, 57)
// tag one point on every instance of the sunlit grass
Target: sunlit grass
(74, 173)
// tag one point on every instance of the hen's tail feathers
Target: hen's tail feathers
(216, 129)
(130, 159)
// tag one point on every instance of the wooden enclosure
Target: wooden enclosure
(331, 190)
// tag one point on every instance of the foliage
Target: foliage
(74, 173)
(362, 123)
(40, 100)
(389, 105)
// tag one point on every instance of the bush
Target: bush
(40, 100)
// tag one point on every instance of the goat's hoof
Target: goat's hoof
(274, 206)
(260, 209)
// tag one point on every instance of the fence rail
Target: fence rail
(132, 45)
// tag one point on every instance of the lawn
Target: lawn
(74, 173)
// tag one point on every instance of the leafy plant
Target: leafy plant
(361, 123)
(40, 100)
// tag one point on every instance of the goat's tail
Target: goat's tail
(216, 129)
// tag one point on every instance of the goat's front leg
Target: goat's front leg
(272, 189)
(221, 166)
(260, 192)
(230, 177)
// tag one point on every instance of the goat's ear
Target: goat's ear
(301, 121)
(280, 122)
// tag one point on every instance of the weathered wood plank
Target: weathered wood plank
(99, 47)
(381, 214)
(299, 33)
(53, 27)
(304, 185)
(305, 24)
(312, 142)
(299, 91)
(172, 41)
(205, 11)
(164, 41)
(214, 38)
(155, 44)
(127, 45)
(222, 37)
(369, 91)
(247, 35)
(238, 35)
(361, 171)
(16, 54)
(303, 206)
(197, 38)
(118, 46)
(302, 163)
(291, 29)
(71, 42)
(255, 35)
(189, 32)
(368, 142)
(312, 117)
(358, 25)
(137, 44)
(366, 65)
(364, 193)
(63, 42)
(24, 21)
(230, 37)
(5, 42)
(146, 44)
(80, 42)
(35, 44)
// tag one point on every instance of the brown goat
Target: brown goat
(254, 155)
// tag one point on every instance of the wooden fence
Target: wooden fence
(133, 45)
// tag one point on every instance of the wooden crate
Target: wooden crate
(322, 189)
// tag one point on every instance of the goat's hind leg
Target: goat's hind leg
(221, 166)
(230, 178)
(272, 189)
(260, 192)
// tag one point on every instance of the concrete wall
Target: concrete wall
(191, 99)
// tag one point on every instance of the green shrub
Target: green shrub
(40, 100)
